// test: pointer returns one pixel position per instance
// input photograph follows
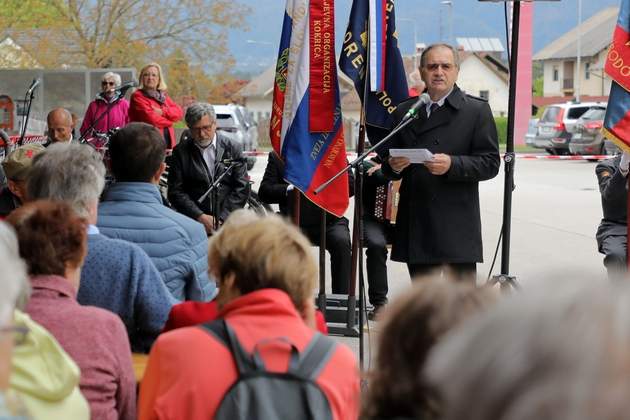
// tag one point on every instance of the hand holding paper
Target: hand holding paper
(414, 155)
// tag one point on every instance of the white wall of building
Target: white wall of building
(595, 85)
(259, 107)
(475, 77)
(552, 85)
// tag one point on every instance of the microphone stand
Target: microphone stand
(355, 163)
(30, 91)
(215, 198)
(110, 105)
(358, 231)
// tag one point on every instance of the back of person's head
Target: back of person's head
(411, 326)
(561, 351)
(73, 173)
(263, 252)
(137, 152)
(51, 236)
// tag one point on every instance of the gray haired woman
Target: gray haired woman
(118, 115)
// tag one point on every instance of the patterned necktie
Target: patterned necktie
(432, 108)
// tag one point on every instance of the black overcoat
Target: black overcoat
(438, 216)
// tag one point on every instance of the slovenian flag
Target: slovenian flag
(617, 120)
(306, 127)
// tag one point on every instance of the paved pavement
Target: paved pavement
(555, 212)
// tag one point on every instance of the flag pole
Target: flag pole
(357, 229)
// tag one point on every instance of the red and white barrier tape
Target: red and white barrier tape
(563, 157)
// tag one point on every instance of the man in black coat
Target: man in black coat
(199, 160)
(612, 233)
(275, 190)
(439, 222)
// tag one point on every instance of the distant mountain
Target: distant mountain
(255, 49)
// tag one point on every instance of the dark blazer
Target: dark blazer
(614, 194)
(189, 179)
(273, 190)
(438, 216)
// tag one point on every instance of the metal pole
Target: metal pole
(509, 155)
(450, 23)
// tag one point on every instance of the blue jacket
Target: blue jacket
(177, 245)
(120, 277)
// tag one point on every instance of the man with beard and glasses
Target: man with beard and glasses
(200, 159)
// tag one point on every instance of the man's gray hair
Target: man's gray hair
(423, 57)
(13, 274)
(558, 351)
(111, 75)
(197, 111)
(69, 172)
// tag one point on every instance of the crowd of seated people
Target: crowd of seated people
(213, 296)
(446, 350)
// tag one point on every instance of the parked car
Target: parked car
(587, 138)
(532, 128)
(232, 121)
(556, 126)
(251, 125)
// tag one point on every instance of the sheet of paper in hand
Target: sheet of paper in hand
(414, 155)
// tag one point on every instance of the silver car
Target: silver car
(587, 138)
(556, 126)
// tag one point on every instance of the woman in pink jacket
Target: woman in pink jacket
(150, 104)
(118, 115)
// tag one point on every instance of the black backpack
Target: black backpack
(260, 394)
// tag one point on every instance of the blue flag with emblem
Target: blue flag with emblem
(383, 65)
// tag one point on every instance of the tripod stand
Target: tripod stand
(214, 200)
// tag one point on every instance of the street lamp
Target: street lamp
(415, 38)
(415, 32)
(449, 3)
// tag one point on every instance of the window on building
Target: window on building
(587, 74)
(484, 94)
(555, 74)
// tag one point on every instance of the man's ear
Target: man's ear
(15, 190)
(159, 172)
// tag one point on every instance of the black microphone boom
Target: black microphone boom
(33, 86)
(234, 160)
(122, 89)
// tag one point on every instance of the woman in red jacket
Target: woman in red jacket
(150, 104)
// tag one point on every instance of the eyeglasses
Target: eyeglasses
(204, 128)
(19, 333)
(108, 83)
(435, 66)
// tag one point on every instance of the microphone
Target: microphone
(122, 89)
(415, 109)
(234, 160)
(33, 86)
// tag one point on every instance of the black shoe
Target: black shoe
(374, 313)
